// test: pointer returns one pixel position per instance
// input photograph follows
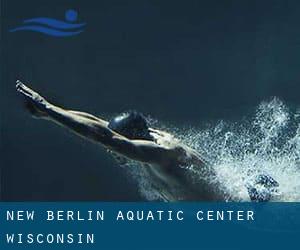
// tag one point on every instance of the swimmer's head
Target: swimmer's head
(132, 125)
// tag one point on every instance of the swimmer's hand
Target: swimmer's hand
(35, 103)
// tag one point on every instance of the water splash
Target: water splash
(267, 142)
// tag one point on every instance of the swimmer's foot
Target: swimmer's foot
(34, 103)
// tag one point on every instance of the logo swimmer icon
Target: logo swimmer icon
(53, 27)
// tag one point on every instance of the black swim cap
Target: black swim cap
(132, 125)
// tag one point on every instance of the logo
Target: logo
(53, 27)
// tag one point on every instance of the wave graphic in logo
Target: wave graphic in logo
(53, 27)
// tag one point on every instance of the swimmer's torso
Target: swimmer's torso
(178, 179)
(181, 183)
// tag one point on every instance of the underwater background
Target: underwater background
(222, 75)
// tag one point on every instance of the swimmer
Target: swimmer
(129, 136)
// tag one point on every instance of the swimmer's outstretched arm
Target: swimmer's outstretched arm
(95, 129)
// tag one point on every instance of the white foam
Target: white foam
(268, 142)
